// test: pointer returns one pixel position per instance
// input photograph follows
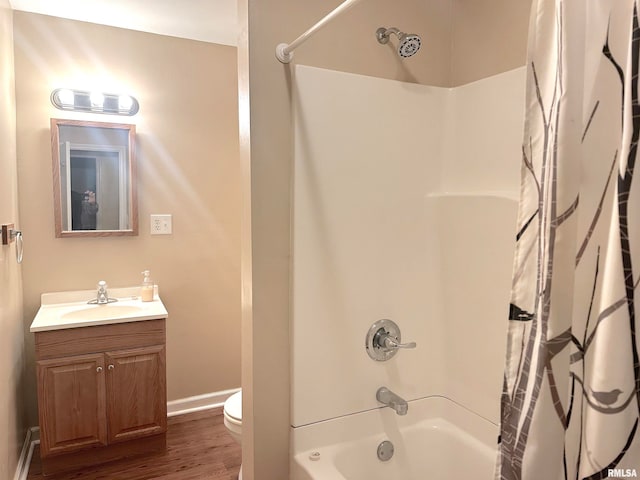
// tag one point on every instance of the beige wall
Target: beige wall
(463, 40)
(187, 146)
(348, 44)
(12, 371)
(487, 37)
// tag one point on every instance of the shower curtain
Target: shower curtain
(571, 395)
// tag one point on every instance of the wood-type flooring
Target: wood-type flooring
(198, 448)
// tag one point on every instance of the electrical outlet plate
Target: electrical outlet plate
(161, 224)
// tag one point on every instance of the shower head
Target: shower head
(408, 43)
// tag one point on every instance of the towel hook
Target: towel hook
(17, 234)
(8, 235)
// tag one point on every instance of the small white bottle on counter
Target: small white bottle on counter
(146, 291)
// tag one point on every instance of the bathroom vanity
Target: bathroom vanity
(101, 379)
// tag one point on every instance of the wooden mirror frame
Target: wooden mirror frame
(57, 180)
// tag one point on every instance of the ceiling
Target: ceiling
(214, 21)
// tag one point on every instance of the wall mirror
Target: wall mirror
(94, 179)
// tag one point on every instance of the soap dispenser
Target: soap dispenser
(146, 291)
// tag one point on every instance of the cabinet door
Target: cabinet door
(71, 403)
(136, 393)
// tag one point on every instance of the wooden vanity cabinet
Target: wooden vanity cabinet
(136, 398)
(71, 402)
(101, 393)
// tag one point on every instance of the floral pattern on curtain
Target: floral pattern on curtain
(571, 396)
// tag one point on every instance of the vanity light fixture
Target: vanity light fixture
(94, 102)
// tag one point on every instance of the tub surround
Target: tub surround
(405, 207)
(362, 250)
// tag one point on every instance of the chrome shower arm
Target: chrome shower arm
(382, 34)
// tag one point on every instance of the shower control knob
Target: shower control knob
(383, 340)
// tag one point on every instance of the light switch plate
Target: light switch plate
(161, 224)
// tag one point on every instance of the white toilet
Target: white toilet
(233, 419)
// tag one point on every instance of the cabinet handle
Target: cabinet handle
(99, 369)
(111, 367)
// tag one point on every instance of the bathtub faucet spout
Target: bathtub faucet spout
(390, 399)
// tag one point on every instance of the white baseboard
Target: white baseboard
(174, 407)
(199, 402)
(31, 440)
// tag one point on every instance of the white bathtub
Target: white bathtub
(437, 440)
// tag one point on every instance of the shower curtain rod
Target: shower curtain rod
(284, 51)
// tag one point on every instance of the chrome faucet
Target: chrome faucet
(102, 297)
(390, 399)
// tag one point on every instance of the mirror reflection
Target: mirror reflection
(94, 178)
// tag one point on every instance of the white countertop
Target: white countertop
(60, 310)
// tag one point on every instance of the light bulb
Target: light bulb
(97, 99)
(125, 102)
(66, 97)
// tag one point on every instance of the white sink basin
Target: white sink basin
(110, 311)
(61, 310)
